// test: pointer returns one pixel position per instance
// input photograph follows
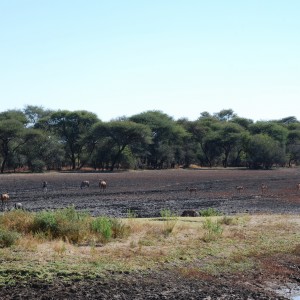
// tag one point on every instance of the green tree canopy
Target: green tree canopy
(71, 128)
(122, 134)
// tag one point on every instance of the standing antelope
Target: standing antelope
(102, 185)
(45, 186)
(263, 188)
(4, 198)
(84, 183)
(239, 188)
(191, 190)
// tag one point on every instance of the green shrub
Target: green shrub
(45, 222)
(213, 230)
(67, 224)
(209, 212)
(109, 228)
(103, 226)
(8, 238)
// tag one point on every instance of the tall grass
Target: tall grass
(209, 212)
(65, 224)
(170, 219)
(213, 230)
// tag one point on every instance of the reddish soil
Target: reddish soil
(146, 193)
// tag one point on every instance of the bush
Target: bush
(17, 220)
(209, 212)
(67, 224)
(103, 226)
(213, 230)
(8, 238)
(109, 228)
(45, 222)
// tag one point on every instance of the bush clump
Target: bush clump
(108, 228)
(66, 223)
(213, 230)
(209, 212)
(8, 238)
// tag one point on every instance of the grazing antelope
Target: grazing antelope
(84, 183)
(19, 205)
(45, 186)
(239, 188)
(191, 190)
(102, 185)
(4, 198)
(263, 188)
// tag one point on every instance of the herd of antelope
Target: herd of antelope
(86, 184)
(103, 184)
(239, 188)
(5, 196)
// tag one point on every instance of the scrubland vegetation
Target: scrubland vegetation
(67, 244)
(37, 139)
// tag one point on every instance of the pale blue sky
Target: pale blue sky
(118, 58)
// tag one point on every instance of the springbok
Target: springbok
(191, 190)
(4, 198)
(84, 183)
(263, 188)
(239, 188)
(102, 185)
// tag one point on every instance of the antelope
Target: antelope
(4, 198)
(298, 186)
(19, 205)
(239, 188)
(45, 186)
(263, 188)
(191, 190)
(102, 185)
(84, 183)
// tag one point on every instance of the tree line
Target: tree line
(38, 139)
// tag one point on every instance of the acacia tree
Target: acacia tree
(72, 129)
(293, 143)
(231, 136)
(35, 113)
(43, 151)
(122, 134)
(167, 136)
(264, 151)
(205, 133)
(13, 134)
(187, 152)
(276, 131)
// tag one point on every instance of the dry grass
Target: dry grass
(244, 240)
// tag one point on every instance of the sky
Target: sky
(120, 58)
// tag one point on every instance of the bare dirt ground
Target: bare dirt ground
(146, 193)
